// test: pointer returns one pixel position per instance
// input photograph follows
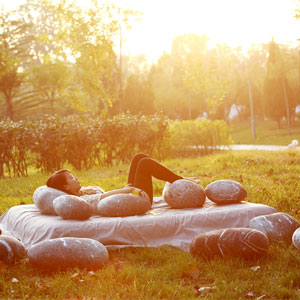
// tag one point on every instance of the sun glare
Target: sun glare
(234, 22)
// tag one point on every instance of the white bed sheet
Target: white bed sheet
(160, 226)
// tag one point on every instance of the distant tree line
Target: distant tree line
(58, 58)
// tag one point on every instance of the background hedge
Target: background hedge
(83, 141)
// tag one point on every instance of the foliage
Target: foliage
(203, 135)
(138, 96)
(279, 99)
(83, 141)
(80, 140)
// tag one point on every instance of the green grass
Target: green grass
(166, 273)
(267, 133)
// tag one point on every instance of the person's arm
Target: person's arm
(125, 190)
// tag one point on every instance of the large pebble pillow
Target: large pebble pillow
(72, 207)
(43, 198)
(123, 205)
(11, 249)
(225, 192)
(275, 226)
(183, 193)
(237, 242)
(68, 252)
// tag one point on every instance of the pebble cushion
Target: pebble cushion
(296, 238)
(123, 205)
(11, 249)
(68, 252)
(43, 198)
(225, 192)
(72, 207)
(239, 242)
(183, 193)
(275, 226)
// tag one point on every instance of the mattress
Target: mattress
(162, 225)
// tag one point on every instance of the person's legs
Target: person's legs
(133, 165)
(145, 169)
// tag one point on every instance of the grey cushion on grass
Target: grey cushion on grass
(225, 192)
(123, 205)
(184, 193)
(11, 249)
(72, 207)
(296, 238)
(275, 226)
(68, 252)
(238, 242)
(43, 198)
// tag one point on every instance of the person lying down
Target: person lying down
(141, 170)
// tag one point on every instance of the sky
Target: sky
(234, 22)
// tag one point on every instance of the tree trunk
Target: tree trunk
(286, 106)
(8, 113)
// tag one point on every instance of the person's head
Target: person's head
(63, 180)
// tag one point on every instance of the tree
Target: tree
(10, 81)
(14, 44)
(279, 100)
(138, 96)
(50, 80)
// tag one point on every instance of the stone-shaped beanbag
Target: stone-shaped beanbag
(183, 193)
(43, 198)
(296, 238)
(275, 226)
(239, 242)
(72, 207)
(11, 249)
(122, 205)
(225, 192)
(68, 252)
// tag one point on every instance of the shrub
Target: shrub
(199, 136)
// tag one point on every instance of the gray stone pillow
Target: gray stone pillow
(43, 198)
(68, 252)
(275, 226)
(238, 242)
(11, 249)
(72, 207)
(123, 205)
(225, 192)
(184, 193)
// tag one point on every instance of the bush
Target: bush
(80, 140)
(198, 136)
(84, 141)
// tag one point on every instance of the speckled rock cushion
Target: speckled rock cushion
(183, 193)
(296, 238)
(11, 249)
(123, 205)
(68, 252)
(72, 207)
(43, 198)
(225, 192)
(275, 226)
(247, 243)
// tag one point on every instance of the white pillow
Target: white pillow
(122, 205)
(43, 198)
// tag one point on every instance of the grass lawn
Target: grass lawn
(167, 273)
(267, 133)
